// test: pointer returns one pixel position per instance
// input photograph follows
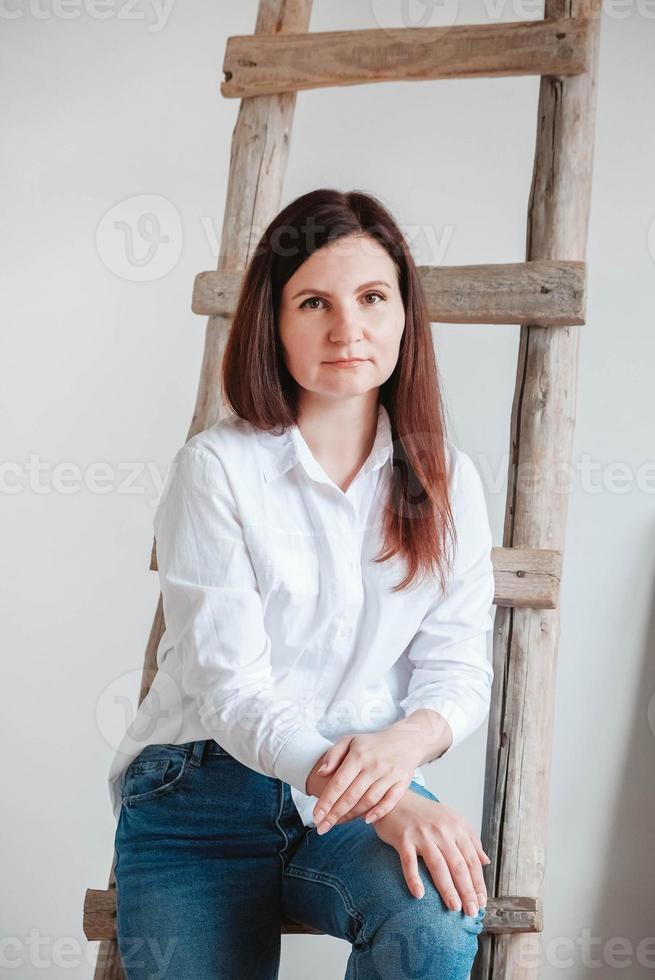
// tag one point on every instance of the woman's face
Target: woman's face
(342, 302)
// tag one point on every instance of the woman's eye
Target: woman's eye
(312, 299)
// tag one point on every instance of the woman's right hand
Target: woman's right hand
(447, 842)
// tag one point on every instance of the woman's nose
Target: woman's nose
(346, 331)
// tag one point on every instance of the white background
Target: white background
(100, 361)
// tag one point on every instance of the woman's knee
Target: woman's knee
(425, 939)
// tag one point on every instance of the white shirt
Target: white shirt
(281, 634)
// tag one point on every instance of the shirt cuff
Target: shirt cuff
(298, 755)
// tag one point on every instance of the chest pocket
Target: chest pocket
(293, 569)
(285, 563)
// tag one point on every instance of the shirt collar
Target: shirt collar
(283, 451)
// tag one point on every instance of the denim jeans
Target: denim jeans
(210, 854)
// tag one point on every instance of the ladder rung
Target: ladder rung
(526, 578)
(507, 914)
(543, 293)
(265, 64)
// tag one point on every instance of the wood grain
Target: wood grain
(519, 743)
(265, 65)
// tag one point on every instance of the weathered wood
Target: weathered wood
(264, 65)
(518, 763)
(260, 146)
(99, 909)
(551, 294)
(526, 578)
(504, 916)
(99, 920)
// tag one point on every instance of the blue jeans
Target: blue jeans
(210, 854)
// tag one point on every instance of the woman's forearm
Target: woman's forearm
(431, 730)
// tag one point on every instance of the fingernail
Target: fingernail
(471, 908)
(420, 892)
(482, 900)
(319, 814)
(322, 766)
(323, 828)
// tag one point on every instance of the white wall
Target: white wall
(100, 367)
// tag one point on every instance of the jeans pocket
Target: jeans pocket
(156, 771)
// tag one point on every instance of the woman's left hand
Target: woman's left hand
(371, 772)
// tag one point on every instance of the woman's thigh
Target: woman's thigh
(198, 868)
(349, 883)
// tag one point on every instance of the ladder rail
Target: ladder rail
(258, 160)
(525, 646)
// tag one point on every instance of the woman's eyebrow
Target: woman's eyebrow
(324, 292)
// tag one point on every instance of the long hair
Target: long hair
(258, 387)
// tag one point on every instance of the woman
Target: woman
(324, 556)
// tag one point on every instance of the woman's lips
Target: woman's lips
(346, 364)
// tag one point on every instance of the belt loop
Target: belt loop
(199, 750)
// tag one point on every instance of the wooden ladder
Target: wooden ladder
(546, 295)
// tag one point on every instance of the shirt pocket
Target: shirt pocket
(285, 563)
(289, 563)
(294, 570)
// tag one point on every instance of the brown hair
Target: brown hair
(258, 387)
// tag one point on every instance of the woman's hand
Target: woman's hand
(371, 772)
(448, 844)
